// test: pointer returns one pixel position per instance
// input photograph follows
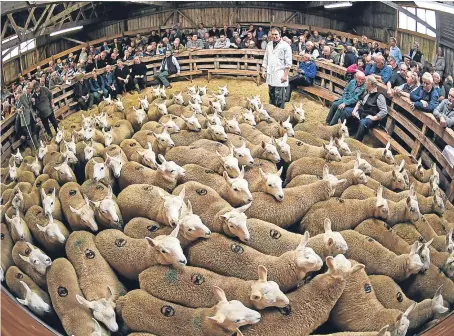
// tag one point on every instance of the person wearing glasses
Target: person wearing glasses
(444, 112)
(397, 79)
(380, 69)
(275, 68)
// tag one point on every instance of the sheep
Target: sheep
(50, 233)
(242, 153)
(122, 129)
(345, 214)
(89, 133)
(97, 170)
(212, 132)
(20, 175)
(382, 332)
(18, 228)
(63, 288)
(192, 123)
(170, 319)
(108, 137)
(32, 164)
(122, 252)
(32, 261)
(51, 202)
(173, 123)
(158, 109)
(233, 190)
(115, 163)
(265, 150)
(184, 155)
(351, 177)
(421, 174)
(323, 291)
(393, 180)
(378, 259)
(426, 189)
(440, 225)
(107, 212)
(299, 149)
(383, 154)
(293, 207)
(256, 294)
(276, 129)
(391, 296)
(144, 102)
(143, 200)
(272, 184)
(95, 276)
(27, 292)
(242, 261)
(86, 150)
(137, 118)
(6, 251)
(160, 142)
(358, 309)
(76, 208)
(60, 172)
(17, 158)
(44, 149)
(232, 125)
(159, 92)
(191, 228)
(325, 132)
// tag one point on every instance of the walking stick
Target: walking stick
(21, 113)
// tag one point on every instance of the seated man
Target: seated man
(222, 43)
(305, 77)
(55, 80)
(97, 87)
(397, 79)
(352, 92)
(368, 111)
(123, 77)
(379, 69)
(404, 90)
(139, 73)
(82, 93)
(109, 81)
(168, 67)
(194, 43)
(425, 97)
(444, 112)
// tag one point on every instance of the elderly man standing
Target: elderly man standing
(275, 68)
(27, 118)
(45, 107)
(444, 112)
(352, 92)
(425, 97)
(380, 69)
(369, 110)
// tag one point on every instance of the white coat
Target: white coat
(276, 61)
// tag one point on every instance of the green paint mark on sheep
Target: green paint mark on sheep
(197, 322)
(79, 242)
(172, 276)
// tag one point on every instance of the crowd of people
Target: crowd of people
(406, 75)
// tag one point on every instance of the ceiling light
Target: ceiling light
(338, 4)
(435, 6)
(65, 30)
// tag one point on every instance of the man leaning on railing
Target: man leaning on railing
(444, 112)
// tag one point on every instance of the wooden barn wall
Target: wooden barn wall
(219, 16)
(449, 59)
(376, 20)
(446, 38)
(108, 29)
(427, 44)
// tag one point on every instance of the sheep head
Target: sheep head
(216, 107)
(333, 180)
(101, 120)
(172, 206)
(339, 266)
(168, 249)
(13, 171)
(414, 260)
(306, 260)
(242, 154)
(86, 215)
(195, 98)
(163, 139)
(18, 199)
(108, 100)
(178, 99)
(217, 133)
(266, 293)
(98, 330)
(107, 208)
(202, 90)
(449, 242)
(249, 118)
(399, 178)
(42, 150)
(171, 125)
(283, 147)
(263, 114)
(365, 166)
(140, 114)
(18, 158)
(35, 166)
(238, 188)
(331, 152)
(287, 128)
(48, 202)
(213, 119)
(334, 242)
(59, 135)
(192, 90)
(223, 90)
(342, 128)
(99, 170)
(433, 185)
(220, 99)
(87, 121)
(438, 203)
(17, 224)
(448, 267)
(148, 156)
(298, 113)
(387, 156)
(144, 103)
(192, 123)
(412, 206)
(402, 323)
(232, 126)
(359, 177)
(103, 309)
(342, 146)
(72, 158)
(232, 315)
(273, 184)
(254, 103)
(230, 164)
(191, 226)
(119, 105)
(115, 163)
(424, 255)
(52, 230)
(381, 205)
(37, 259)
(234, 223)
(195, 107)
(171, 168)
(437, 302)
(34, 301)
(162, 108)
(108, 137)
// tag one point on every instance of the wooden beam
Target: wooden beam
(406, 12)
(67, 11)
(190, 21)
(290, 17)
(42, 17)
(168, 18)
(167, 4)
(16, 28)
(5, 26)
(73, 40)
(45, 23)
(30, 15)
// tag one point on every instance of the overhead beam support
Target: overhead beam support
(190, 21)
(406, 12)
(15, 27)
(73, 40)
(166, 4)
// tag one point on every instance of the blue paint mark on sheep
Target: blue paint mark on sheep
(172, 276)
(197, 322)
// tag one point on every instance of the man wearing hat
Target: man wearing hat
(45, 107)
(340, 55)
(82, 92)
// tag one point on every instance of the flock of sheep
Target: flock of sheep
(183, 194)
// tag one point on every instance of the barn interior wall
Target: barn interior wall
(446, 40)
(377, 21)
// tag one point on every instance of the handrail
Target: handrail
(332, 82)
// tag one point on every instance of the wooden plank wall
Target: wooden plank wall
(427, 44)
(449, 59)
(376, 20)
(106, 30)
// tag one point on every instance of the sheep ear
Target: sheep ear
(76, 211)
(263, 273)
(241, 176)
(24, 258)
(23, 302)
(87, 201)
(189, 208)
(110, 295)
(357, 267)
(388, 144)
(304, 241)
(83, 301)
(410, 309)
(325, 171)
(327, 225)
(429, 243)
(330, 263)
(243, 208)
(383, 331)
(219, 294)
(414, 247)
(162, 193)
(151, 242)
(279, 172)
(182, 193)
(217, 318)
(43, 193)
(8, 220)
(41, 228)
(402, 165)
(262, 173)
(226, 177)
(109, 192)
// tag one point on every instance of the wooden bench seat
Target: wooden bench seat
(186, 74)
(320, 92)
(255, 74)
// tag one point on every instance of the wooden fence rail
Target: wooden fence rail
(408, 135)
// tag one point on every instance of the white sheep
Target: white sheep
(18, 227)
(32, 261)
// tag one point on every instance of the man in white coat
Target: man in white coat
(276, 65)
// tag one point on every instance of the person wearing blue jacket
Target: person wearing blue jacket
(379, 68)
(97, 87)
(425, 97)
(305, 77)
(109, 82)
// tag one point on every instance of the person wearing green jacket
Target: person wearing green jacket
(45, 107)
(352, 92)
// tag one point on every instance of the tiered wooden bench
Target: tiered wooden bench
(232, 72)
